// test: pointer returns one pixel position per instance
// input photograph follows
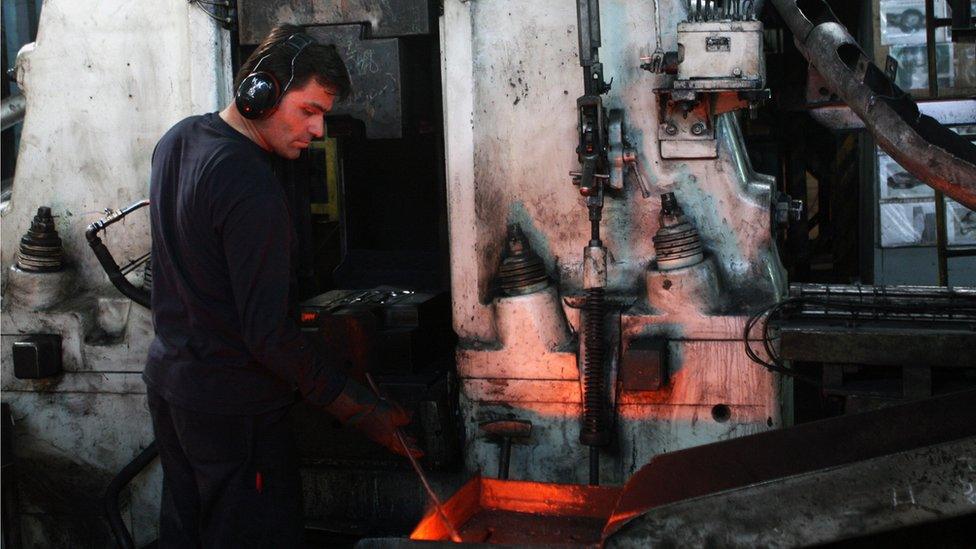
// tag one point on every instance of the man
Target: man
(228, 355)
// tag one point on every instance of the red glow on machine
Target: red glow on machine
(487, 510)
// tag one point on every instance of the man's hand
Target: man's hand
(376, 418)
(381, 424)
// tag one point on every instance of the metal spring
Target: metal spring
(594, 429)
(715, 10)
(522, 272)
(677, 242)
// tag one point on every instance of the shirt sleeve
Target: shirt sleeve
(256, 235)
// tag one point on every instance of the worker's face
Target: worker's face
(299, 118)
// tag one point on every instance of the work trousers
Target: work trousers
(228, 481)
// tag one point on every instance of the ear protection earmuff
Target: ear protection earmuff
(260, 92)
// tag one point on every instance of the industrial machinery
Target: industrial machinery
(575, 286)
(654, 306)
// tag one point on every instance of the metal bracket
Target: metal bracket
(621, 155)
(685, 129)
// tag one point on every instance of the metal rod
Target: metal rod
(962, 13)
(594, 466)
(657, 26)
(135, 263)
(965, 252)
(504, 458)
(14, 108)
(452, 531)
(941, 238)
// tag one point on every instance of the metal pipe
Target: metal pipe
(594, 466)
(504, 458)
(856, 290)
(907, 303)
(13, 109)
(756, 9)
(935, 154)
(941, 239)
(962, 14)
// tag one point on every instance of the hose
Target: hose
(115, 276)
(110, 501)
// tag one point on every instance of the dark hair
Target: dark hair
(318, 61)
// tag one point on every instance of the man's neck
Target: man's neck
(244, 126)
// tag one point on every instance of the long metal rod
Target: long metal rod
(14, 108)
(594, 466)
(941, 238)
(452, 531)
(135, 263)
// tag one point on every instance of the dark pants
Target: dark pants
(228, 481)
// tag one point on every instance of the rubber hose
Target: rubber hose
(110, 501)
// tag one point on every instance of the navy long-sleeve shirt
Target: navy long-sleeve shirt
(222, 246)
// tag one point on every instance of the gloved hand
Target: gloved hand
(376, 418)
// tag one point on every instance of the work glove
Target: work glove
(375, 417)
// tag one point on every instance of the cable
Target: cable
(226, 22)
(843, 309)
(776, 365)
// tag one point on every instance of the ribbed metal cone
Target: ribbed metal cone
(522, 271)
(40, 248)
(677, 242)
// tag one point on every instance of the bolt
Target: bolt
(698, 128)
(671, 129)
(737, 72)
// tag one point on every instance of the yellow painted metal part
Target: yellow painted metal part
(330, 208)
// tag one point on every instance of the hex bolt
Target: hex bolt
(671, 129)
(737, 72)
(698, 129)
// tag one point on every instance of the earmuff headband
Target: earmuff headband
(259, 92)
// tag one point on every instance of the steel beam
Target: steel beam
(882, 494)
